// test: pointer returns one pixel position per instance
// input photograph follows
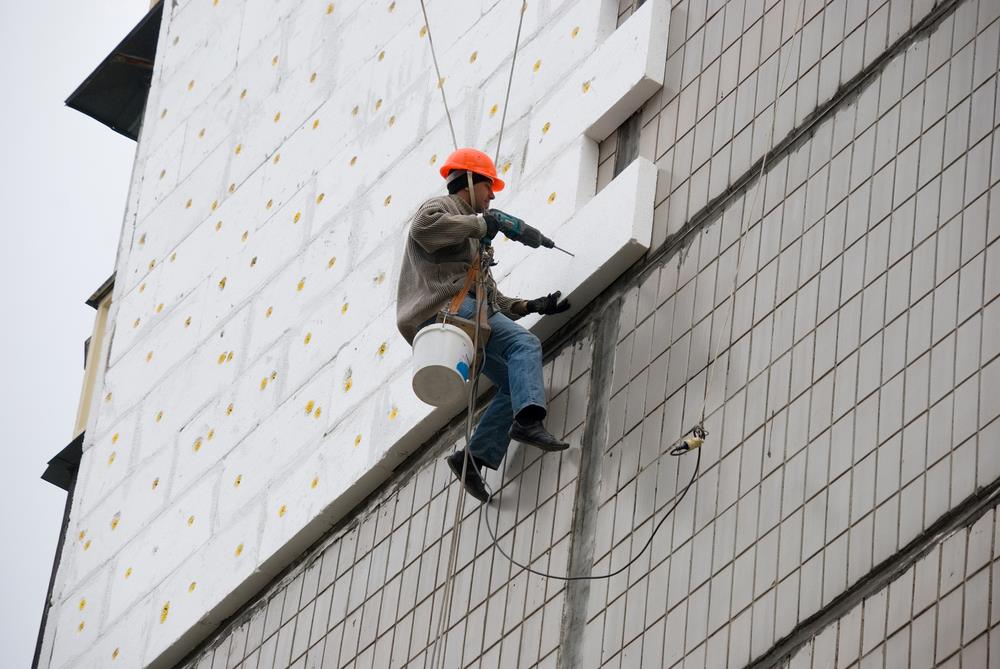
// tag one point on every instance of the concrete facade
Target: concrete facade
(843, 510)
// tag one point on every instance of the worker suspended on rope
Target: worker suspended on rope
(442, 249)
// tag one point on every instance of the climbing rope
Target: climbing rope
(440, 79)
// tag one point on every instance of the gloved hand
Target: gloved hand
(499, 221)
(548, 305)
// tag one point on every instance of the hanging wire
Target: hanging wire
(440, 79)
(510, 79)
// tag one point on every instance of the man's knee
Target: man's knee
(527, 341)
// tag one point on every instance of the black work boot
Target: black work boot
(473, 484)
(534, 433)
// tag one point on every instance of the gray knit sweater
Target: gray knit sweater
(442, 241)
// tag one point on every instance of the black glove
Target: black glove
(499, 221)
(548, 305)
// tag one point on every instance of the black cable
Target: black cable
(590, 577)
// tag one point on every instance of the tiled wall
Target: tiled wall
(943, 611)
(854, 402)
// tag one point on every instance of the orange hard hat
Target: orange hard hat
(474, 161)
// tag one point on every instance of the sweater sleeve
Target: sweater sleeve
(506, 304)
(433, 228)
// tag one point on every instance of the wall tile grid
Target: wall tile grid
(943, 611)
(371, 594)
(861, 382)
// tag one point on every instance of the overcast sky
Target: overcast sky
(63, 184)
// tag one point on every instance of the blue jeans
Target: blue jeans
(514, 365)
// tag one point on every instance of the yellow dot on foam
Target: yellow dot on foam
(308, 338)
(238, 480)
(142, 287)
(159, 416)
(243, 93)
(506, 167)
(263, 383)
(473, 56)
(281, 511)
(440, 82)
(586, 86)
(159, 307)
(83, 603)
(378, 104)
(312, 77)
(545, 128)
(135, 323)
(149, 356)
(392, 121)
(314, 482)
(423, 30)
(277, 117)
(114, 654)
(191, 84)
(393, 412)
(229, 356)
(434, 159)
(392, 6)
(381, 55)
(190, 521)
(128, 572)
(142, 239)
(329, 8)
(537, 66)
(152, 263)
(86, 544)
(177, 39)
(197, 445)
(187, 205)
(317, 412)
(164, 612)
(270, 310)
(274, 61)
(494, 109)
(357, 441)
(315, 124)
(348, 384)
(163, 173)
(114, 521)
(156, 483)
(192, 586)
(111, 458)
(211, 433)
(239, 550)
(575, 32)
(83, 533)
(222, 283)
(253, 261)
(297, 217)
(218, 225)
(201, 133)
(246, 234)
(381, 349)
(354, 159)
(163, 113)
(387, 201)
(301, 285)
(114, 438)
(79, 627)
(187, 321)
(222, 357)
(552, 197)
(331, 262)
(354, 112)
(274, 375)
(173, 256)
(276, 159)
(320, 197)
(229, 410)
(343, 309)
(239, 147)
(309, 406)
(107, 398)
(270, 203)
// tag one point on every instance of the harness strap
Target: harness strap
(470, 278)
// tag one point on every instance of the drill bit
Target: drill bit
(564, 251)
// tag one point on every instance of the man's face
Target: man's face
(484, 193)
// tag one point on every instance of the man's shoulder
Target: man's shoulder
(441, 203)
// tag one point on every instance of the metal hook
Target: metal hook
(693, 439)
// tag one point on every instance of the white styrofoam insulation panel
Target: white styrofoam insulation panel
(256, 386)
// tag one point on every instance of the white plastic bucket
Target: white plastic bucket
(442, 361)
